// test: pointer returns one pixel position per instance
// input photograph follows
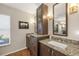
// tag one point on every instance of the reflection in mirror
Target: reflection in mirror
(4, 30)
(60, 19)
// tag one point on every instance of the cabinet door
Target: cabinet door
(45, 20)
(42, 21)
(57, 53)
(33, 46)
(39, 21)
(28, 42)
(44, 50)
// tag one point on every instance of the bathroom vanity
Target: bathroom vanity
(46, 50)
(41, 45)
(59, 47)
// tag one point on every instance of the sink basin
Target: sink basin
(57, 44)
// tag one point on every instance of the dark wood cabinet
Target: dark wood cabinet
(44, 50)
(33, 46)
(28, 41)
(56, 53)
(47, 51)
(42, 21)
(36, 48)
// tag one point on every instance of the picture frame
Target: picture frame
(23, 25)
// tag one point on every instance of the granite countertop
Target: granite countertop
(36, 35)
(71, 50)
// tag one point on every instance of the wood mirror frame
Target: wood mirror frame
(66, 18)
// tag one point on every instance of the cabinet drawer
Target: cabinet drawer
(44, 50)
(34, 51)
(33, 41)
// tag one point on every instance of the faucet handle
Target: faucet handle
(50, 37)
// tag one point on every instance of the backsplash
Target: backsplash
(65, 40)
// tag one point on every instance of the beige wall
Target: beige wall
(18, 36)
(73, 25)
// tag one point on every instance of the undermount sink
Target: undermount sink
(57, 44)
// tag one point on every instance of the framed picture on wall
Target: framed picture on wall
(23, 25)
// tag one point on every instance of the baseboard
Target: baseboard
(14, 51)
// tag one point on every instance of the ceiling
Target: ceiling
(26, 7)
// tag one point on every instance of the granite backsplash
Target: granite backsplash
(65, 40)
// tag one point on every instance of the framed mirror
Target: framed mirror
(60, 19)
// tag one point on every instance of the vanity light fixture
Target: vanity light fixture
(73, 8)
(49, 17)
(44, 16)
(32, 21)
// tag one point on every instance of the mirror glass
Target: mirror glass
(60, 19)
